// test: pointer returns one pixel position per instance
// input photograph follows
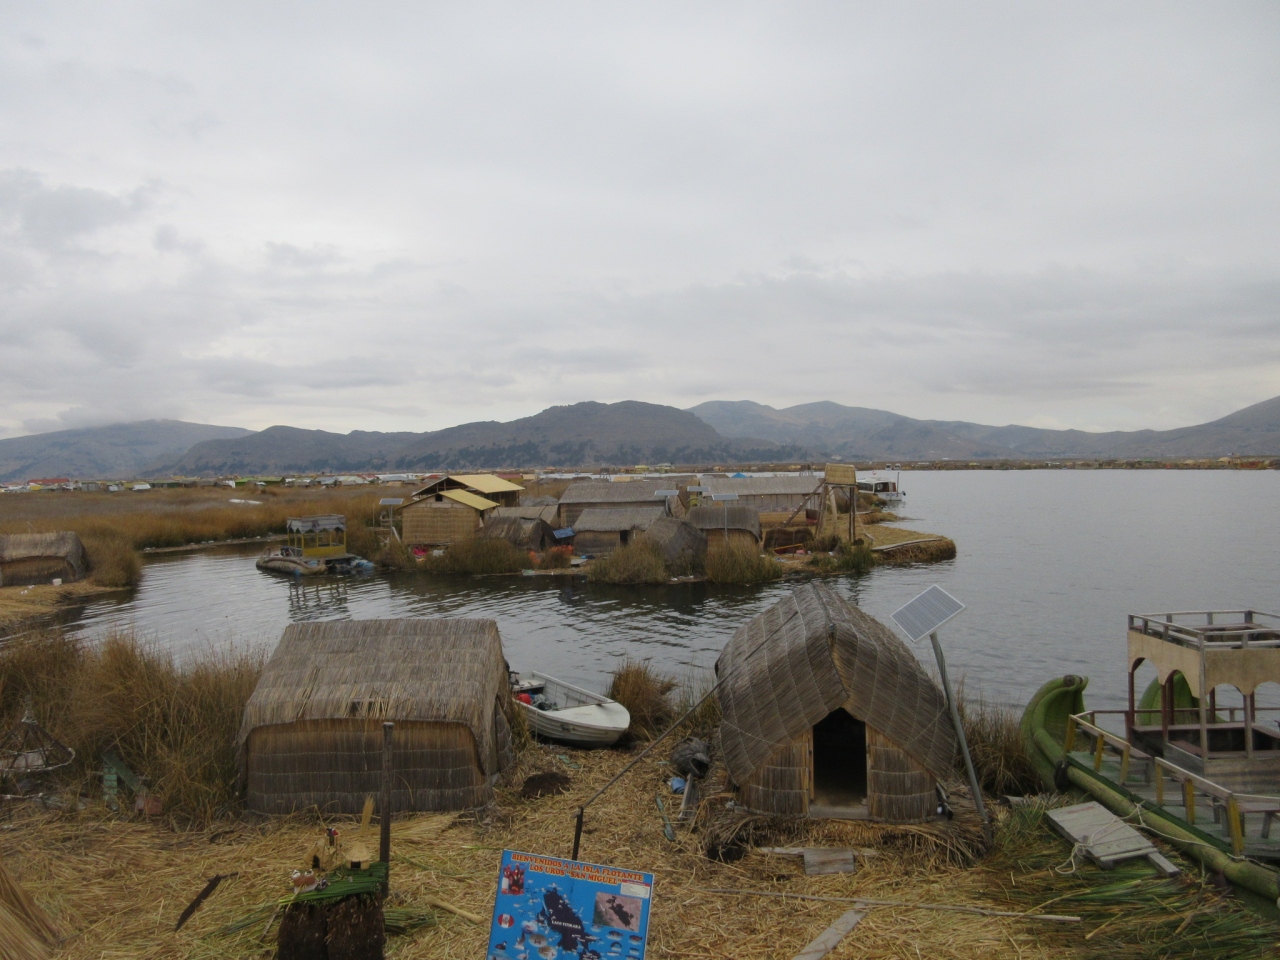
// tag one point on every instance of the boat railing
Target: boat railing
(1217, 629)
(1232, 804)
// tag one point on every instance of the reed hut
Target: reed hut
(528, 527)
(619, 495)
(826, 713)
(600, 531)
(683, 546)
(28, 558)
(727, 522)
(443, 517)
(770, 494)
(312, 730)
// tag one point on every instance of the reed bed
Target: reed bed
(477, 558)
(846, 557)
(740, 562)
(996, 746)
(645, 692)
(116, 885)
(175, 726)
(639, 561)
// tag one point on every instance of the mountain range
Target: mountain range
(861, 433)
(614, 434)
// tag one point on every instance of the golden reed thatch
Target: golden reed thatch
(811, 675)
(27, 558)
(312, 731)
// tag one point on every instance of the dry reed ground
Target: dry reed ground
(19, 604)
(117, 886)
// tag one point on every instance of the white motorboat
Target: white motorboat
(560, 711)
(885, 488)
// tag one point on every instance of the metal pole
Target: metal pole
(964, 743)
(384, 843)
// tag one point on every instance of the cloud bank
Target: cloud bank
(410, 216)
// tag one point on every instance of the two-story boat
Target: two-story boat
(314, 545)
(1194, 759)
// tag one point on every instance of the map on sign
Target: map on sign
(547, 908)
(926, 613)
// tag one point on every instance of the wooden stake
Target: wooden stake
(830, 938)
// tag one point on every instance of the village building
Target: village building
(601, 530)
(311, 735)
(620, 494)
(30, 558)
(531, 527)
(828, 714)
(444, 517)
(768, 494)
(727, 522)
(502, 492)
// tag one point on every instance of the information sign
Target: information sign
(553, 909)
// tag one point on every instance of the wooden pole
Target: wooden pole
(384, 842)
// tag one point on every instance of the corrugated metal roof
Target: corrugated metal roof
(603, 491)
(762, 486)
(613, 519)
(468, 498)
(486, 482)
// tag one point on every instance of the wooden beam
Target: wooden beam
(829, 938)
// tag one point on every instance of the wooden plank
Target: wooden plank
(829, 938)
(1163, 865)
(1105, 839)
(820, 860)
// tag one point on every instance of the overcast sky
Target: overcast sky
(404, 217)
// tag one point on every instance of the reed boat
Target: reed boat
(315, 545)
(1194, 760)
(559, 711)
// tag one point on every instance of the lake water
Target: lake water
(1049, 562)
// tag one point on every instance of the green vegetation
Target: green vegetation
(740, 562)
(640, 561)
(176, 726)
(845, 558)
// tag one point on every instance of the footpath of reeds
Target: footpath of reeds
(115, 884)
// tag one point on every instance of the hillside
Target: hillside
(582, 434)
(280, 450)
(119, 450)
(861, 433)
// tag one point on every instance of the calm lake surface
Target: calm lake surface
(1049, 563)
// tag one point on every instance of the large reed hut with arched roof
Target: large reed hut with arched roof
(826, 713)
(312, 730)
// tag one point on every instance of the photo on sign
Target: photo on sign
(613, 910)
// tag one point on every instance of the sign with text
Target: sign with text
(552, 909)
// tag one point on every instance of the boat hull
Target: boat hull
(589, 726)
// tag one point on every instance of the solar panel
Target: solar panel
(696, 489)
(927, 612)
(666, 493)
(724, 496)
(390, 501)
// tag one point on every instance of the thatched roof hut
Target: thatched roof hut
(681, 543)
(770, 494)
(27, 558)
(312, 731)
(827, 713)
(601, 530)
(530, 527)
(616, 495)
(727, 521)
(486, 485)
(444, 517)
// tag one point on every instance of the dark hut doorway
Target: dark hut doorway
(840, 760)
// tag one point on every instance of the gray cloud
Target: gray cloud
(424, 214)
